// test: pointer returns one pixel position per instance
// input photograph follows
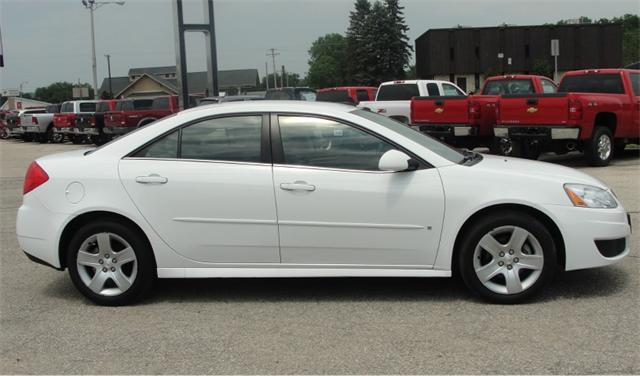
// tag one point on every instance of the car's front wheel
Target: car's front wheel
(507, 257)
(110, 263)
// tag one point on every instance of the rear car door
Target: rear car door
(336, 208)
(207, 189)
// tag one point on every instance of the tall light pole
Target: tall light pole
(92, 5)
(109, 71)
(273, 55)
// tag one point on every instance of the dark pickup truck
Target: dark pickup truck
(595, 111)
(130, 114)
(467, 121)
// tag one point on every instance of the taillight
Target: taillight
(71, 120)
(34, 178)
(34, 120)
(575, 109)
(474, 110)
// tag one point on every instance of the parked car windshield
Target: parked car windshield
(592, 83)
(500, 87)
(337, 96)
(398, 92)
(430, 143)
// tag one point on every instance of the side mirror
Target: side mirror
(396, 161)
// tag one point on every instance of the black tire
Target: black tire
(596, 149)
(501, 146)
(494, 222)
(27, 137)
(46, 136)
(145, 273)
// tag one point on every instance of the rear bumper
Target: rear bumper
(540, 132)
(15, 131)
(63, 130)
(117, 130)
(91, 131)
(448, 130)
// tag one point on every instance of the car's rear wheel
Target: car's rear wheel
(45, 137)
(507, 258)
(599, 149)
(110, 264)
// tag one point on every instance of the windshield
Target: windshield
(432, 144)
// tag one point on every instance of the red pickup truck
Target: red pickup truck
(467, 121)
(595, 111)
(92, 124)
(130, 114)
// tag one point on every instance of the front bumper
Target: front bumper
(581, 228)
(540, 132)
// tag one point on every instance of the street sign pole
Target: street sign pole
(555, 52)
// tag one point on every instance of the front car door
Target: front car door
(336, 208)
(207, 190)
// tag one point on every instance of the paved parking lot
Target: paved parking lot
(587, 322)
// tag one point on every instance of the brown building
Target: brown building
(467, 55)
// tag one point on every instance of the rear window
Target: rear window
(635, 83)
(136, 104)
(592, 83)
(53, 108)
(160, 103)
(337, 96)
(66, 107)
(87, 107)
(398, 92)
(500, 87)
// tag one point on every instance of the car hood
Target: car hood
(516, 167)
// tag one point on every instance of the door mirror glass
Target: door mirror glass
(395, 161)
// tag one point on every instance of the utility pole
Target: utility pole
(92, 5)
(282, 77)
(266, 74)
(273, 55)
(109, 70)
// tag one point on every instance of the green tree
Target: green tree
(358, 56)
(398, 50)
(542, 68)
(59, 92)
(293, 79)
(327, 66)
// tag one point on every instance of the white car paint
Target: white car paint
(221, 219)
(401, 109)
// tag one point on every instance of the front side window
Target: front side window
(310, 141)
(398, 92)
(450, 90)
(547, 86)
(236, 139)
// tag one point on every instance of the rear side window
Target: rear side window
(501, 87)
(142, 104)
(362, 95)
(433, 90)
(67, 107)
(398, 92)
(547, 86)
(635, 83)
(337, 96)
(124, 105)
(236, 139)
(160, 103)
(87, 107)
(166, 147)
(450, 90)
(592, 83)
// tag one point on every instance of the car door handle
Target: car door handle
(298, 186)
(151, 179)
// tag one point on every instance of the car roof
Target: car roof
(272, 106)
(347, 88)
(599, 71)
(396, 82)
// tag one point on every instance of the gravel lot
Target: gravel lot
(587, 322)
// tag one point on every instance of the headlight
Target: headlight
(588, 196)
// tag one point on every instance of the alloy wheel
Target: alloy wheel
(508, 260)
(107, 264)
(604, 147)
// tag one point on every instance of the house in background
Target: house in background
(467, 55)
(155, 81)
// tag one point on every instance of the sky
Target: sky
(46, 41)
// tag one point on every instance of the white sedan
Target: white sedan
(294, 189)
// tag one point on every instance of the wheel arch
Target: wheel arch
(542, 217)
(84, 218)
(606, 119)
(145, 121)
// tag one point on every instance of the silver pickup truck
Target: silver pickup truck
(14, 122)
(39, 126)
